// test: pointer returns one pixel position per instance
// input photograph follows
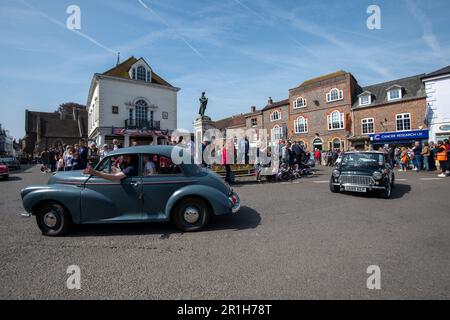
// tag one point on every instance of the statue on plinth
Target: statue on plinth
(201, 112)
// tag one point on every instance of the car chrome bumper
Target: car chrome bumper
(359, 186)
(25, 215)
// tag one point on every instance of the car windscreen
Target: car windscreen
(372, 160)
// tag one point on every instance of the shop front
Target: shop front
(142, 137)
(442, 132)
(398, 138)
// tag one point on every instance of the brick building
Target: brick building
(275, 116)
(44, 130)
(320, 111)
(389, 113)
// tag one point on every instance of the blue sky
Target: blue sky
(239, 51)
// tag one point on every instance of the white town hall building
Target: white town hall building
(130, 102)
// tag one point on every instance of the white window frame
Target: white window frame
(399, 91)
(272, 116)
(367, 121)
(277, 132)
(298, 105)
(403, 118)
(340, 95)
(341, 121)
(361, 103)
(301, 122)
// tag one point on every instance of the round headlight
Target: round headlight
(336, 173)
(377, 175)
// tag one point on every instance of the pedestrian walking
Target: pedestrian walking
(417, 160)
(432, 158)
(442, 157)
(404, 159)
(426, 156)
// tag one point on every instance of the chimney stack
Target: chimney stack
(253, 109)
(270, 101)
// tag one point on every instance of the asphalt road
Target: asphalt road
(290, 241)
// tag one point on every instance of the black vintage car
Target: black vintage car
(363, 172)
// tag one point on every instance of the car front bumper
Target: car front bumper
(368, 187)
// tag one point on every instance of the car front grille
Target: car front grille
(357, 180)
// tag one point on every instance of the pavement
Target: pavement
(290, 241)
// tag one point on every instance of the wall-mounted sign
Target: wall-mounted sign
(401, 135)
(445, 127)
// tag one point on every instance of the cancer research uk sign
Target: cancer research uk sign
(402, 135)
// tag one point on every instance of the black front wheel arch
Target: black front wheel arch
(386, 193)
(334, 188)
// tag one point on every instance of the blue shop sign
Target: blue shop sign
(401, 135)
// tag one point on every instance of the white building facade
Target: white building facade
(437, 86)
(130, 103)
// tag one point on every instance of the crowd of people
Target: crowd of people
(427, 157)
(74, 157)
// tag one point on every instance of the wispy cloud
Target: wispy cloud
(62, 25)
(186, 42)
(427, 27)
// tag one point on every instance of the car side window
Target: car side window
(153, 164)
(110, 165)
(105, 165)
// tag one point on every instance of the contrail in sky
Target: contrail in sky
(168, 26)
(62, 25)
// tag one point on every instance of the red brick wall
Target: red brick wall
(416, 108)
(268, 125)
(317, 113)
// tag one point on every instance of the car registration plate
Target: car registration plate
(356, 189)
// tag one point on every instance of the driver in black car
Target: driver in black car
(129, 169)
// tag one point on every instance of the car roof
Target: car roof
(165, 151)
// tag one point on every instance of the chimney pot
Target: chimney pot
(253, 109)
(270, 101)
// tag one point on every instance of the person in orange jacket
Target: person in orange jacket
(442, 157)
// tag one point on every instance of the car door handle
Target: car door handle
(136, 184)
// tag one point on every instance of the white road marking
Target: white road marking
(321, 181)
(401, 179)
(431, 179)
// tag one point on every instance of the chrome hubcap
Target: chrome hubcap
(191, 214)
(50, 219)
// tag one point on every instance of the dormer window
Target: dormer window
(365, 100)
(335, 95)
(394, 93)
(141, 73)
(300, 103)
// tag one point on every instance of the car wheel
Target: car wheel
(191, 214)
(387, 192)
(53, 219)
(334, 189)
(7, 178)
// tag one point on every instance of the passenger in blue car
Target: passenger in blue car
(129, 168)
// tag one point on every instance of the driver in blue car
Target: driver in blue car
(129, 169)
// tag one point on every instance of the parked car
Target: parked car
(4, 171)
(363, 172)
(186, 194)
(11, 162)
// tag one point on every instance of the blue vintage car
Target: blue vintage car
(155, 189)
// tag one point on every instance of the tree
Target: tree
(69, 106)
